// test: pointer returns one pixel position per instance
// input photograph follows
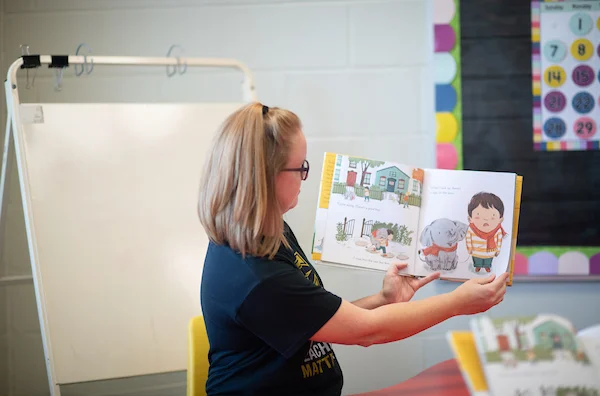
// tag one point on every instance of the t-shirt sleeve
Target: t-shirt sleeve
(286, 309)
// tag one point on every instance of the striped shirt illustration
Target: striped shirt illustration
(478, 245)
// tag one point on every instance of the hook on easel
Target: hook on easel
(25, 52)
(180, 67)
(58, 76)
(59, 62)
(87, 67)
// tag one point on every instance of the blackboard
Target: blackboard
(561, 189)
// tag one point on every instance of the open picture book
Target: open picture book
(531, 355)
(373, 213)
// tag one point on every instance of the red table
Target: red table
(443, 379)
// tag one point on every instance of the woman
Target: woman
(270, 321)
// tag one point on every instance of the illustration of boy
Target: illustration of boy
(405, 200)
(367, 197)
(485, 233)
(381, 239)
(558, 349)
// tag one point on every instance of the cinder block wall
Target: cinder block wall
(355, 71)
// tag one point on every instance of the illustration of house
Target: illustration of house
(392, 179)
(418, 175)
(551, 332)
(545, 331)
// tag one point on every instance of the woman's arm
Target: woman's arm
(371, 302)
(352, 325)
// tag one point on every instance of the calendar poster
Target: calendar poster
(566, 75)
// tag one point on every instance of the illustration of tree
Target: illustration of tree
(518, 334)
(577, 390)
(341, 233)
(402, 234)
(365, 164)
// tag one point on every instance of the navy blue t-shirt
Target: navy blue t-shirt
(260, 315)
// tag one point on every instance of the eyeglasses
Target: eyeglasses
(303, 171)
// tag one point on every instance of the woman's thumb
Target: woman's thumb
(489, 279)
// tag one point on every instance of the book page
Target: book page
(533, 355)
(466, 223)
(372, 215)
(592, 348)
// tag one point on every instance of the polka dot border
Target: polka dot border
(447, 84)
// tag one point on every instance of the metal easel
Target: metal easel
(14, 136)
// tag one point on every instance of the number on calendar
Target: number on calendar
(583, 75)
(555, 76)
(555, 51)
(581, 24)
(555, 101)
(555, 128)
(583, 102)
(583, 128)
(582, 49)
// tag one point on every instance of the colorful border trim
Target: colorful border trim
(562, 262)
(536, 75)
(448, 87)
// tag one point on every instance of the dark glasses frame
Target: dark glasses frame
(303, 170)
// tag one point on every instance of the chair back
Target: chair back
(198, 346)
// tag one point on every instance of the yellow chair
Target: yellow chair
(197, 371)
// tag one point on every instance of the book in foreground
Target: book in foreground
(535, 355)
(372, 214)
(465, 352)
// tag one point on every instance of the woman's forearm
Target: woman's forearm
(395, 322)
(371, 302)
(352, 325)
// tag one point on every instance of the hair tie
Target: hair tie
(265, 110)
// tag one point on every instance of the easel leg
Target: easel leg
(6, 168)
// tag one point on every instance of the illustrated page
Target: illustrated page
(372, 215)
(535, 355)
(465, 223)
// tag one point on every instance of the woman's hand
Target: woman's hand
(398, 288)
(480, 294)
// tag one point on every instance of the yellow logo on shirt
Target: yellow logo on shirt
(319, 358)
(306, 269)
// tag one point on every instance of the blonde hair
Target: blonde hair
(237, 203)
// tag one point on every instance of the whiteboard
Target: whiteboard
(113, 191)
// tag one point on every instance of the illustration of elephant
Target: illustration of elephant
(380, 240)
(440, 240)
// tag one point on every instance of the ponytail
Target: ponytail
(238, 201)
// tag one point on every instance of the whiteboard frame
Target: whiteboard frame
(14, 133)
